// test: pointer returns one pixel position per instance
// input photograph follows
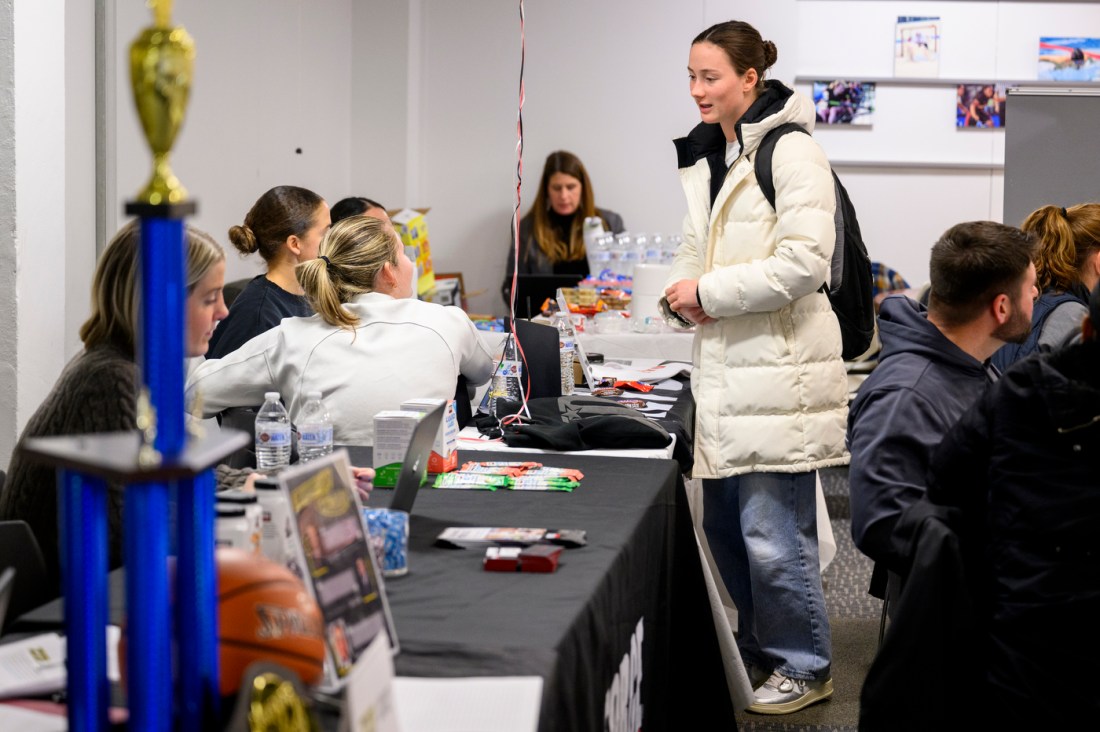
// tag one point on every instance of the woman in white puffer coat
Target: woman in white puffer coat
(769, 383)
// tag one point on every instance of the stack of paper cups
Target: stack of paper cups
(649, 282)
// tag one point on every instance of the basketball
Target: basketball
(265, 614)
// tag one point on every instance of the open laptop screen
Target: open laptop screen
(415, 465)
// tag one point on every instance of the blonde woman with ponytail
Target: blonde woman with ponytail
(370, 346)
(1067, 269)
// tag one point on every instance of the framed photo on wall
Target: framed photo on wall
(917, 42)
(842, 102)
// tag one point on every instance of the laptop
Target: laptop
(533, 290)
(415, 465)
(540, 370)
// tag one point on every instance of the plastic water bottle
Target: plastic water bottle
(672, 244)
(641, 247)
(592, 230)
(629, 256)
(655, 249)
(565, 350)
(272, 434)
(506, 382)
(314, 429)
(599, 257)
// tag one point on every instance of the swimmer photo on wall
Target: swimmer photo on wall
(980, 105)
(1069, 59)
(843, 102)
(917, 46)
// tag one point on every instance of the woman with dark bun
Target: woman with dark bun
(371, 346)
(358, 206)
(285, 226)
(770, 387)
(551, 236)
(1067, 268)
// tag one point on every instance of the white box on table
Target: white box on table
(393, 429)
(444, 457)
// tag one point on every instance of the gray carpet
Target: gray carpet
(854, 617)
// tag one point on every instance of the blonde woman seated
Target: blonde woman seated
(369, 347)
(98, 389)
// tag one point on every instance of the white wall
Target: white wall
(271, 77)
(32, 240)
(414, 103)
(603, 80)
(379, 103)
(80, 168)
(903, 210)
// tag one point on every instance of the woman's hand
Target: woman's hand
(682, 297)
(364, 481)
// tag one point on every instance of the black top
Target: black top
(259, 307)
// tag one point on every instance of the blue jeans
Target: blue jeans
(762, 533)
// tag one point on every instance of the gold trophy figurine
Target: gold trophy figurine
(161, 61)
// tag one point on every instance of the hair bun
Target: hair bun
(771, 54)
(243, 239)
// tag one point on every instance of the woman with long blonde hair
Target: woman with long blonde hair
(370, 346)
(97, 391)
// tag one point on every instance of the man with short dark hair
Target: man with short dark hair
(932, 367)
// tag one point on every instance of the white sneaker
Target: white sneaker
(783, 695)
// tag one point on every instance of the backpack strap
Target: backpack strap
(762, 164)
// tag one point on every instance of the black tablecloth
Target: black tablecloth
(576, 627)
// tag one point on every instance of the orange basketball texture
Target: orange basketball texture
(265, 614)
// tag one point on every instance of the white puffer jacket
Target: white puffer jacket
(769, 384)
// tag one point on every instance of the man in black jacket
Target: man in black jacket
(1023, 467)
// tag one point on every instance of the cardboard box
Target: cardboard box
(444, 457)
(393, 430)
(412, 227)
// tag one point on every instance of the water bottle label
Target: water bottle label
(509, 368)
(273, 436)
(565, 344)
(315, 436)
(601, 255)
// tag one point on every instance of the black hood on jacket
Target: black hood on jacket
(903, 327)
(1070, 384)
(707, 138)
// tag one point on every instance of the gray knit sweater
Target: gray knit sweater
(95, 393)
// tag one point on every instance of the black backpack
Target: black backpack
(851, 294)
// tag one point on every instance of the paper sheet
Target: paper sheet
(36, 665)
(29, 720)
(485, 704)
(640, 369)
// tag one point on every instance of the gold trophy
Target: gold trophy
(161, 61)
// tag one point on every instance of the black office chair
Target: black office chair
(243, 419)
(232, 289)
(19, 550)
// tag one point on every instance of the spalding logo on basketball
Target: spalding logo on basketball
(265, 614)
